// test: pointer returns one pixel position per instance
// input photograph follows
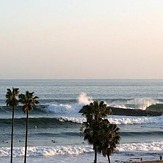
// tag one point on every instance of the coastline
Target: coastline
(157, 161)
(140, 160)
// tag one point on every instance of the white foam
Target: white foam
(142, 103)
(120, 119)
(64, 108)
(46, 151)
(141, 147)
(137, 103)
(78, 149)
(135, 120)
(76, 119)
(70, 112)
(84, 99)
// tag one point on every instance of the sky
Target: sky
(81, 39)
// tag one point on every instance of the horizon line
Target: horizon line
(82, 79)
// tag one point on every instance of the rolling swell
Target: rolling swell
(151, 133)
(41, 122)
(61, 134)
(37, 110)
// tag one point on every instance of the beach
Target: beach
(152, 161)
(157, 161)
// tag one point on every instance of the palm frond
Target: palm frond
(28, 100)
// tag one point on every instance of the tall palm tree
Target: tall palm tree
(94, 113)
(12, 102)
(28, 101)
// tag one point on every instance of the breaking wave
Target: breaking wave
(122, 120)
(79, 149)
(60, 119)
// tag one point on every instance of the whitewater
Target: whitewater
(54, 131)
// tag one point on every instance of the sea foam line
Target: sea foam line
(79, 149)
(114, 119)
(120, 119)
(46, 151)
(141, 147)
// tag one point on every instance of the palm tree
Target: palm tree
(110, 137)
(28, 101)
(94, 113)
(95, 110)
(115, 139)
(12, 102)
(91, 134)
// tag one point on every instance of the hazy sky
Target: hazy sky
(57, 39)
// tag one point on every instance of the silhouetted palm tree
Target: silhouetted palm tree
(91, 134)
(12, 102)
(29, 101)
(94, 112)
(110, 137)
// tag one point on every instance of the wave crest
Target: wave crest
(84, 99)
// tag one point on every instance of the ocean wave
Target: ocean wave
(68, 106)
(63, 108)
(83, 99)
(151, 133)
(40, 122)
(141, 147)
(79, 119)
(48, 114)
(136, 120)
(137, 103)
(47, 151)
(121, 120)
(79, 149)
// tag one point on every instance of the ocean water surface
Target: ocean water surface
(54, 130)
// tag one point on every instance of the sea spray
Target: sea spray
(141, 103)
(84, 99)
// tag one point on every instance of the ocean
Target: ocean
(54, 126)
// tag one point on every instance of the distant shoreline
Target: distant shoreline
(150, 162)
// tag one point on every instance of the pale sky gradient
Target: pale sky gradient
(80, 39)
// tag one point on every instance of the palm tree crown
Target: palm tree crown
(28, 101)
(95, 110)
(11, 97)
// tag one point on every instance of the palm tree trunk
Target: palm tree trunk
(108, 159)
(26, 137)
(12, 135)
(95, 161)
